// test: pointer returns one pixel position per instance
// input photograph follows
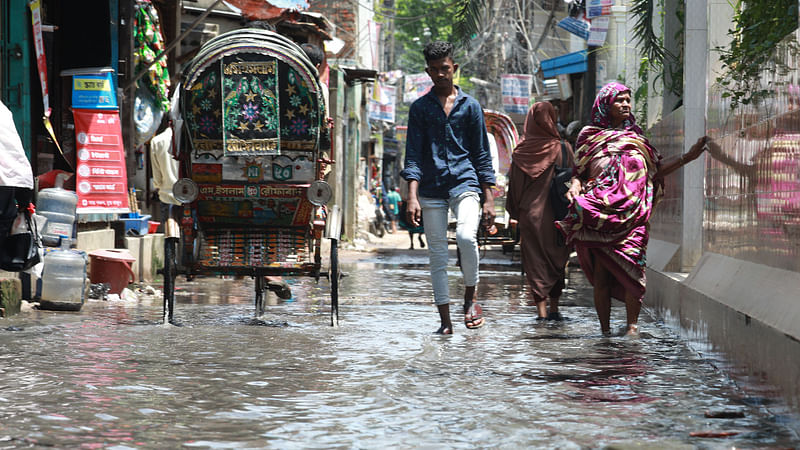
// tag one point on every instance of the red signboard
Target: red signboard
(102, 183)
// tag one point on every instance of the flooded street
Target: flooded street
(112, 376)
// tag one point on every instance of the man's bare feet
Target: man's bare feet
(473, 315)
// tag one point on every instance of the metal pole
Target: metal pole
(172, 45)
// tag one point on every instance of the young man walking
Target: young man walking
(448, 166)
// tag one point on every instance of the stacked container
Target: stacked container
(59, 206)
(63, 278)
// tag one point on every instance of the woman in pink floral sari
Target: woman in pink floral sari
(618, 179)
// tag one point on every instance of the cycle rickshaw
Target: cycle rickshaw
(503, 139)
(252, 158)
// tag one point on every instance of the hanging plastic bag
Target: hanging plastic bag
(146, 115)
(20, 250)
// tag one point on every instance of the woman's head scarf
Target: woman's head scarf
(601, 118)
(602, 105)
(595, 137)
(541, 142)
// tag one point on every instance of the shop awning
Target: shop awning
(569, 63)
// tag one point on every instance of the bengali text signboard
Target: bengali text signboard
(101, 179)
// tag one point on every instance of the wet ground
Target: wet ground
(112, 376)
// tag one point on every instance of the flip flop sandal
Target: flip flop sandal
(475, 313)
(444, 330)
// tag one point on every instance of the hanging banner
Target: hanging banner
(516, 89)
(38, 45)
(578, 27)
(374, 41)
(101, 180)
(381, 104)
(596, 8)
(41, 66)
(416, 85)
(598, 32)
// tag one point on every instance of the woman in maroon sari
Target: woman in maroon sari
(618, 179)
(543, 259)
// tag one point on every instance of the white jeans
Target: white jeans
(467, 209)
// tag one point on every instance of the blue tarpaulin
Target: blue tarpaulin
(569, 63)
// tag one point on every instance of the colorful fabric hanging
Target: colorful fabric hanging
(149, 43)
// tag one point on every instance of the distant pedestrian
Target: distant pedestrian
(392, 200)
(419, 230)
(448, 165)
(619, 179)
(533, 161)
(571, 132)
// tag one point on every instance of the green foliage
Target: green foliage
(411, 19)
(640, 96)
(759, 26)
(655, 57)
(651, 46)
(468, 19)
(439, 19)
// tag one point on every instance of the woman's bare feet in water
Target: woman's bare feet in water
(633, 330)
(444, 330)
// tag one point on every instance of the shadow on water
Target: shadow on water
(114, 375)
(263, 323)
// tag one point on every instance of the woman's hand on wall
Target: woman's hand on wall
(696, 150)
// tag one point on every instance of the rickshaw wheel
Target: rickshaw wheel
(334, 277)
(260, 286)
(170, 273)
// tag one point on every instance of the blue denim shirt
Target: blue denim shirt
(448, 155)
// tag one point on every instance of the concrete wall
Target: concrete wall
(746, 312)
(149, 253)
(724, 257)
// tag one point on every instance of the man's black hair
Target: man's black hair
(314, 53)
(438, 50)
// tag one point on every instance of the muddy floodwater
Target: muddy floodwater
(112, 376)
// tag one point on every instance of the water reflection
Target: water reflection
(104, 377)
(752, 203)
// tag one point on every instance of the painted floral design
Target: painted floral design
(250, 111)
(190, 120)
(299, 126)
(271, 122)
(207, 124)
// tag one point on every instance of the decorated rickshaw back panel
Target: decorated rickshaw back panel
(253, 122)
(254, 204)
(248, 248)
(252, 105)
